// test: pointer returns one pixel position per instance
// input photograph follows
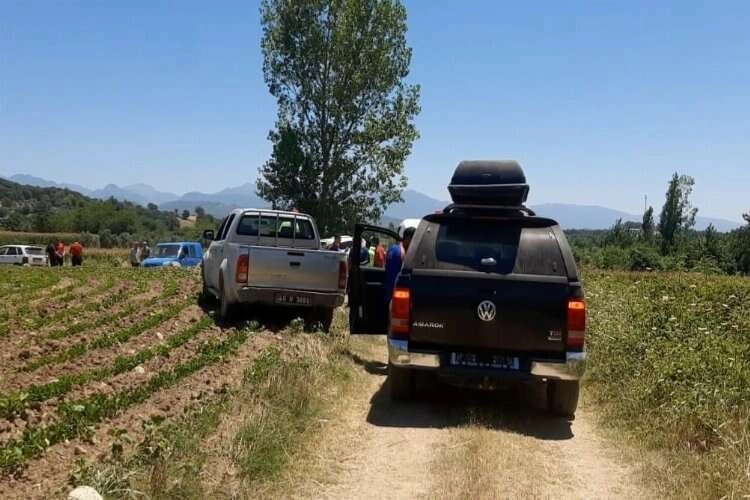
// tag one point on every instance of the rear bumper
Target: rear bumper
(267, 296)
(571, 369)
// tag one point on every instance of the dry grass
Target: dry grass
(480, 464)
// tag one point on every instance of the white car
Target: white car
(23, 255)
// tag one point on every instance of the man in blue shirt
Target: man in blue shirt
(394, 260)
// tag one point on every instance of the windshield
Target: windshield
(273, 227)
(491, 246)
(167, 251)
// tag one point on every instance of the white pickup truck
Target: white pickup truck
(273, 258)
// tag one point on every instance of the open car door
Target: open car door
(368, 309)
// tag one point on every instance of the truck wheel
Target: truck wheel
(206, 295)
(325, 316)
(402, 383)
(562, 397)
(225, 307)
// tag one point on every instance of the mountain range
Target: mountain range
(415, 204)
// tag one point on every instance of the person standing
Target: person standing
(135, 255)
(364, 253)
(371, 251)
(378, 259)
(145, 251)
(76, 254)
(60, 253)
(394, 260)
(51, 258)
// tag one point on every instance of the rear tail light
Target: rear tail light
(243, 268)
(342, 275)
(401, 311)
(576, 323)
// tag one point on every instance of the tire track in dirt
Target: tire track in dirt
(46, 476)
(365, 452)
(455, 444)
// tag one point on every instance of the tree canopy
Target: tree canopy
(677, 214)
(345, 123)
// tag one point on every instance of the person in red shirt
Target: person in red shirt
(60, 253)
(379, 259)
(76, 253)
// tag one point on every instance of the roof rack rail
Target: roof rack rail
(453, 207)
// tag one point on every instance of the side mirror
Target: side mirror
(208, 235)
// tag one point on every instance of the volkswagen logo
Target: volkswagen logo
(486, 310)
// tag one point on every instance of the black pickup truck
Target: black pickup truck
(488, 295)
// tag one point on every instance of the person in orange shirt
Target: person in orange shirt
(76, 253)
(60, 253)
(379, 258)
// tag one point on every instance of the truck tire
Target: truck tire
(402, 383)
(325, 316)
(226, 309)
(562, 397)
(206, 296)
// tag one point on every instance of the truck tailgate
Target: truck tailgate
(530, 312)
(289, 268)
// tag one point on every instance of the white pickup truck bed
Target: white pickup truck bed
(272, 258)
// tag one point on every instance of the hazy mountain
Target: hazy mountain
(219, 203)
(415, 204)
(570, 216)
(30, 180)
(150, 194)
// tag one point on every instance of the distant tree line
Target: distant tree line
(672, 244)
(106, 223)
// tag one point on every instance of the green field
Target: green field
(97, 358)
(670, 366)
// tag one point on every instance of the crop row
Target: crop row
(169, 290)
(107, 340)
(77, 418)
(12, 405)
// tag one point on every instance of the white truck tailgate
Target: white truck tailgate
(312, 270)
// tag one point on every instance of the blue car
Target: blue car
(177, 254)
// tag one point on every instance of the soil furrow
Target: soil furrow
(95, 356)
(44, 476)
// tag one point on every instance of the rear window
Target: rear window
(34, 250)
(489, 246)
(269, 226)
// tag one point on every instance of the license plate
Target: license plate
(472, 360)
(292, 299)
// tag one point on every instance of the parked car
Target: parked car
(273, 258)
(23, 255)
(489, 294)
(178, 254)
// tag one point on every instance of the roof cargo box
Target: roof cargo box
(498, 183)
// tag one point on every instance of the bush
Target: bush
(613, 258)
(644, 258)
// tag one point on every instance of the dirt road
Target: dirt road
(459, 444)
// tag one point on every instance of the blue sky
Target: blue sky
(600, 101)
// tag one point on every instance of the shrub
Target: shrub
(644, 258)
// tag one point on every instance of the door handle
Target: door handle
(295, 264)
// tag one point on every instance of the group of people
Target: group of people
(372, 253)
(56, 254)
(139, 252)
